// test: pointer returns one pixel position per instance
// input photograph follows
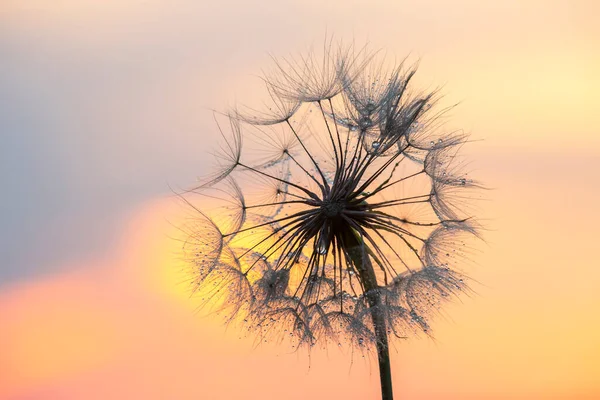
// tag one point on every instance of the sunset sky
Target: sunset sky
(105, 104)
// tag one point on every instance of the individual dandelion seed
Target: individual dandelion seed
(343, 210)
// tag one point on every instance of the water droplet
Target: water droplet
(360, 340)
(365, 122)
(322, 248)
(375, 145)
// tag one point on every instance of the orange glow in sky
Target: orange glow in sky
(128, 329)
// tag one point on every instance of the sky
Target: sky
(104, 105)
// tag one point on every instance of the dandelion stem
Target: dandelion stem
(357, 254)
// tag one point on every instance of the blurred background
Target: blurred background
(103, 105)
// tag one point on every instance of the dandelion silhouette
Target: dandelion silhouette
(344, 213)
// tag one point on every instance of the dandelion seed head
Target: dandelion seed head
(345, 207)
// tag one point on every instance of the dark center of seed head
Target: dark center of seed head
(332, 209)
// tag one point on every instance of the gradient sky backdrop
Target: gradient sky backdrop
(104, 104)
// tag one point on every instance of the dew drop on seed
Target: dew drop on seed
(322, 249)
(365, 122)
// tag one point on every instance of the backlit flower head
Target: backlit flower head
(342, 210)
